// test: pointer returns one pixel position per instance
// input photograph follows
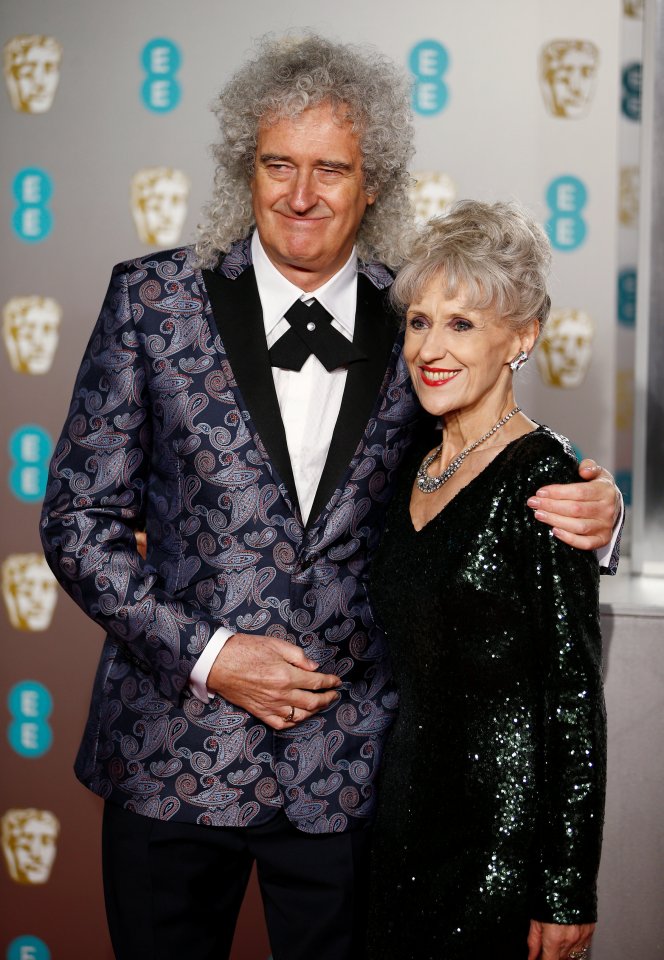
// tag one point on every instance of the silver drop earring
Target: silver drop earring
(518, 361)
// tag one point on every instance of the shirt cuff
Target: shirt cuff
(605, 554)
(201, 671)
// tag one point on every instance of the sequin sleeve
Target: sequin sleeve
(565, 584)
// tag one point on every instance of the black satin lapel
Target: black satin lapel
(238, 318)
(376, 328)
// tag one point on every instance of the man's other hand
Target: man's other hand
(581, 514)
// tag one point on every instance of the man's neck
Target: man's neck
(307, 280)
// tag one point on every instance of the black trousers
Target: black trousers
(174, 890)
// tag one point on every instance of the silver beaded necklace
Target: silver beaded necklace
(429, 484)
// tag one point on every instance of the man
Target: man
(263, 493)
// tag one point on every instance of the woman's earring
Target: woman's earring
(518, 361)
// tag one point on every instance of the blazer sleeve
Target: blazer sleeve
(96, 497)
(571, 766)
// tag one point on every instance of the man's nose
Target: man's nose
(303, 195)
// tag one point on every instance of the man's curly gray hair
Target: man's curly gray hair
(494, 254)
(287, 76)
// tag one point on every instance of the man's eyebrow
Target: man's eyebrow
(320, 162)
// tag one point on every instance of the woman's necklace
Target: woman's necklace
(429, 484)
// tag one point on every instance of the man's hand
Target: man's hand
(558, 941)
(141, 538)
(581, 514)
(267, 677)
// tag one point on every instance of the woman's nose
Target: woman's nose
(433, 346)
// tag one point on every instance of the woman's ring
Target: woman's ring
(289, 719)
(578, 954)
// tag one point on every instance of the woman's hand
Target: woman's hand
(558, 941)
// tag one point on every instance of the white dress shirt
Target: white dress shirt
(309, 399)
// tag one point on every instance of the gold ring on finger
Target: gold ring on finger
(291, 715)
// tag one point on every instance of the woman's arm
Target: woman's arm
(570, 776)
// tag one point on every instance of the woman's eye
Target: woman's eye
(417, 323)
(459, 324)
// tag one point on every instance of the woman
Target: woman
(489, 831)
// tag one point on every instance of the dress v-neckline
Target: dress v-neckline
(462, 490)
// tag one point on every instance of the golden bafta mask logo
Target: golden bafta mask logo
(159, 204)
(568, 69)
(624, 399)
(634, 8)
(31, 326)
(565, 350)
(29, 590)
(32, 71)
(29, 839)
(431, 194)
(628, 209)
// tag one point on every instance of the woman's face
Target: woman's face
(458, 358)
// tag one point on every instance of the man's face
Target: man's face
(308, 194)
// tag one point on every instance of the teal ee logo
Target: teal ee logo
(28, 948)
(30, 705)
(428, 63)
(30, 449)
(627, 297)
(630, 99)
(624, 484)
(566, 198)
(32, 220)
(161, 90)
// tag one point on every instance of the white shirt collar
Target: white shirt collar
(338, 294)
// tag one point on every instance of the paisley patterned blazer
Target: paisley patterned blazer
(175, 425)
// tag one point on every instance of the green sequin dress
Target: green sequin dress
(491, 797)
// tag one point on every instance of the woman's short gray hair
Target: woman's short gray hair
(287, 76)
(493, 253)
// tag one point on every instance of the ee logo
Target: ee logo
(30, 704)
(28, 948)
(30, 449)
(428, 63)
(624, 484)
(631, 91)
(566, 198)
(32, 220)
(161, 61)
(627, 297)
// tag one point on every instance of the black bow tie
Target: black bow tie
(311, 331)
